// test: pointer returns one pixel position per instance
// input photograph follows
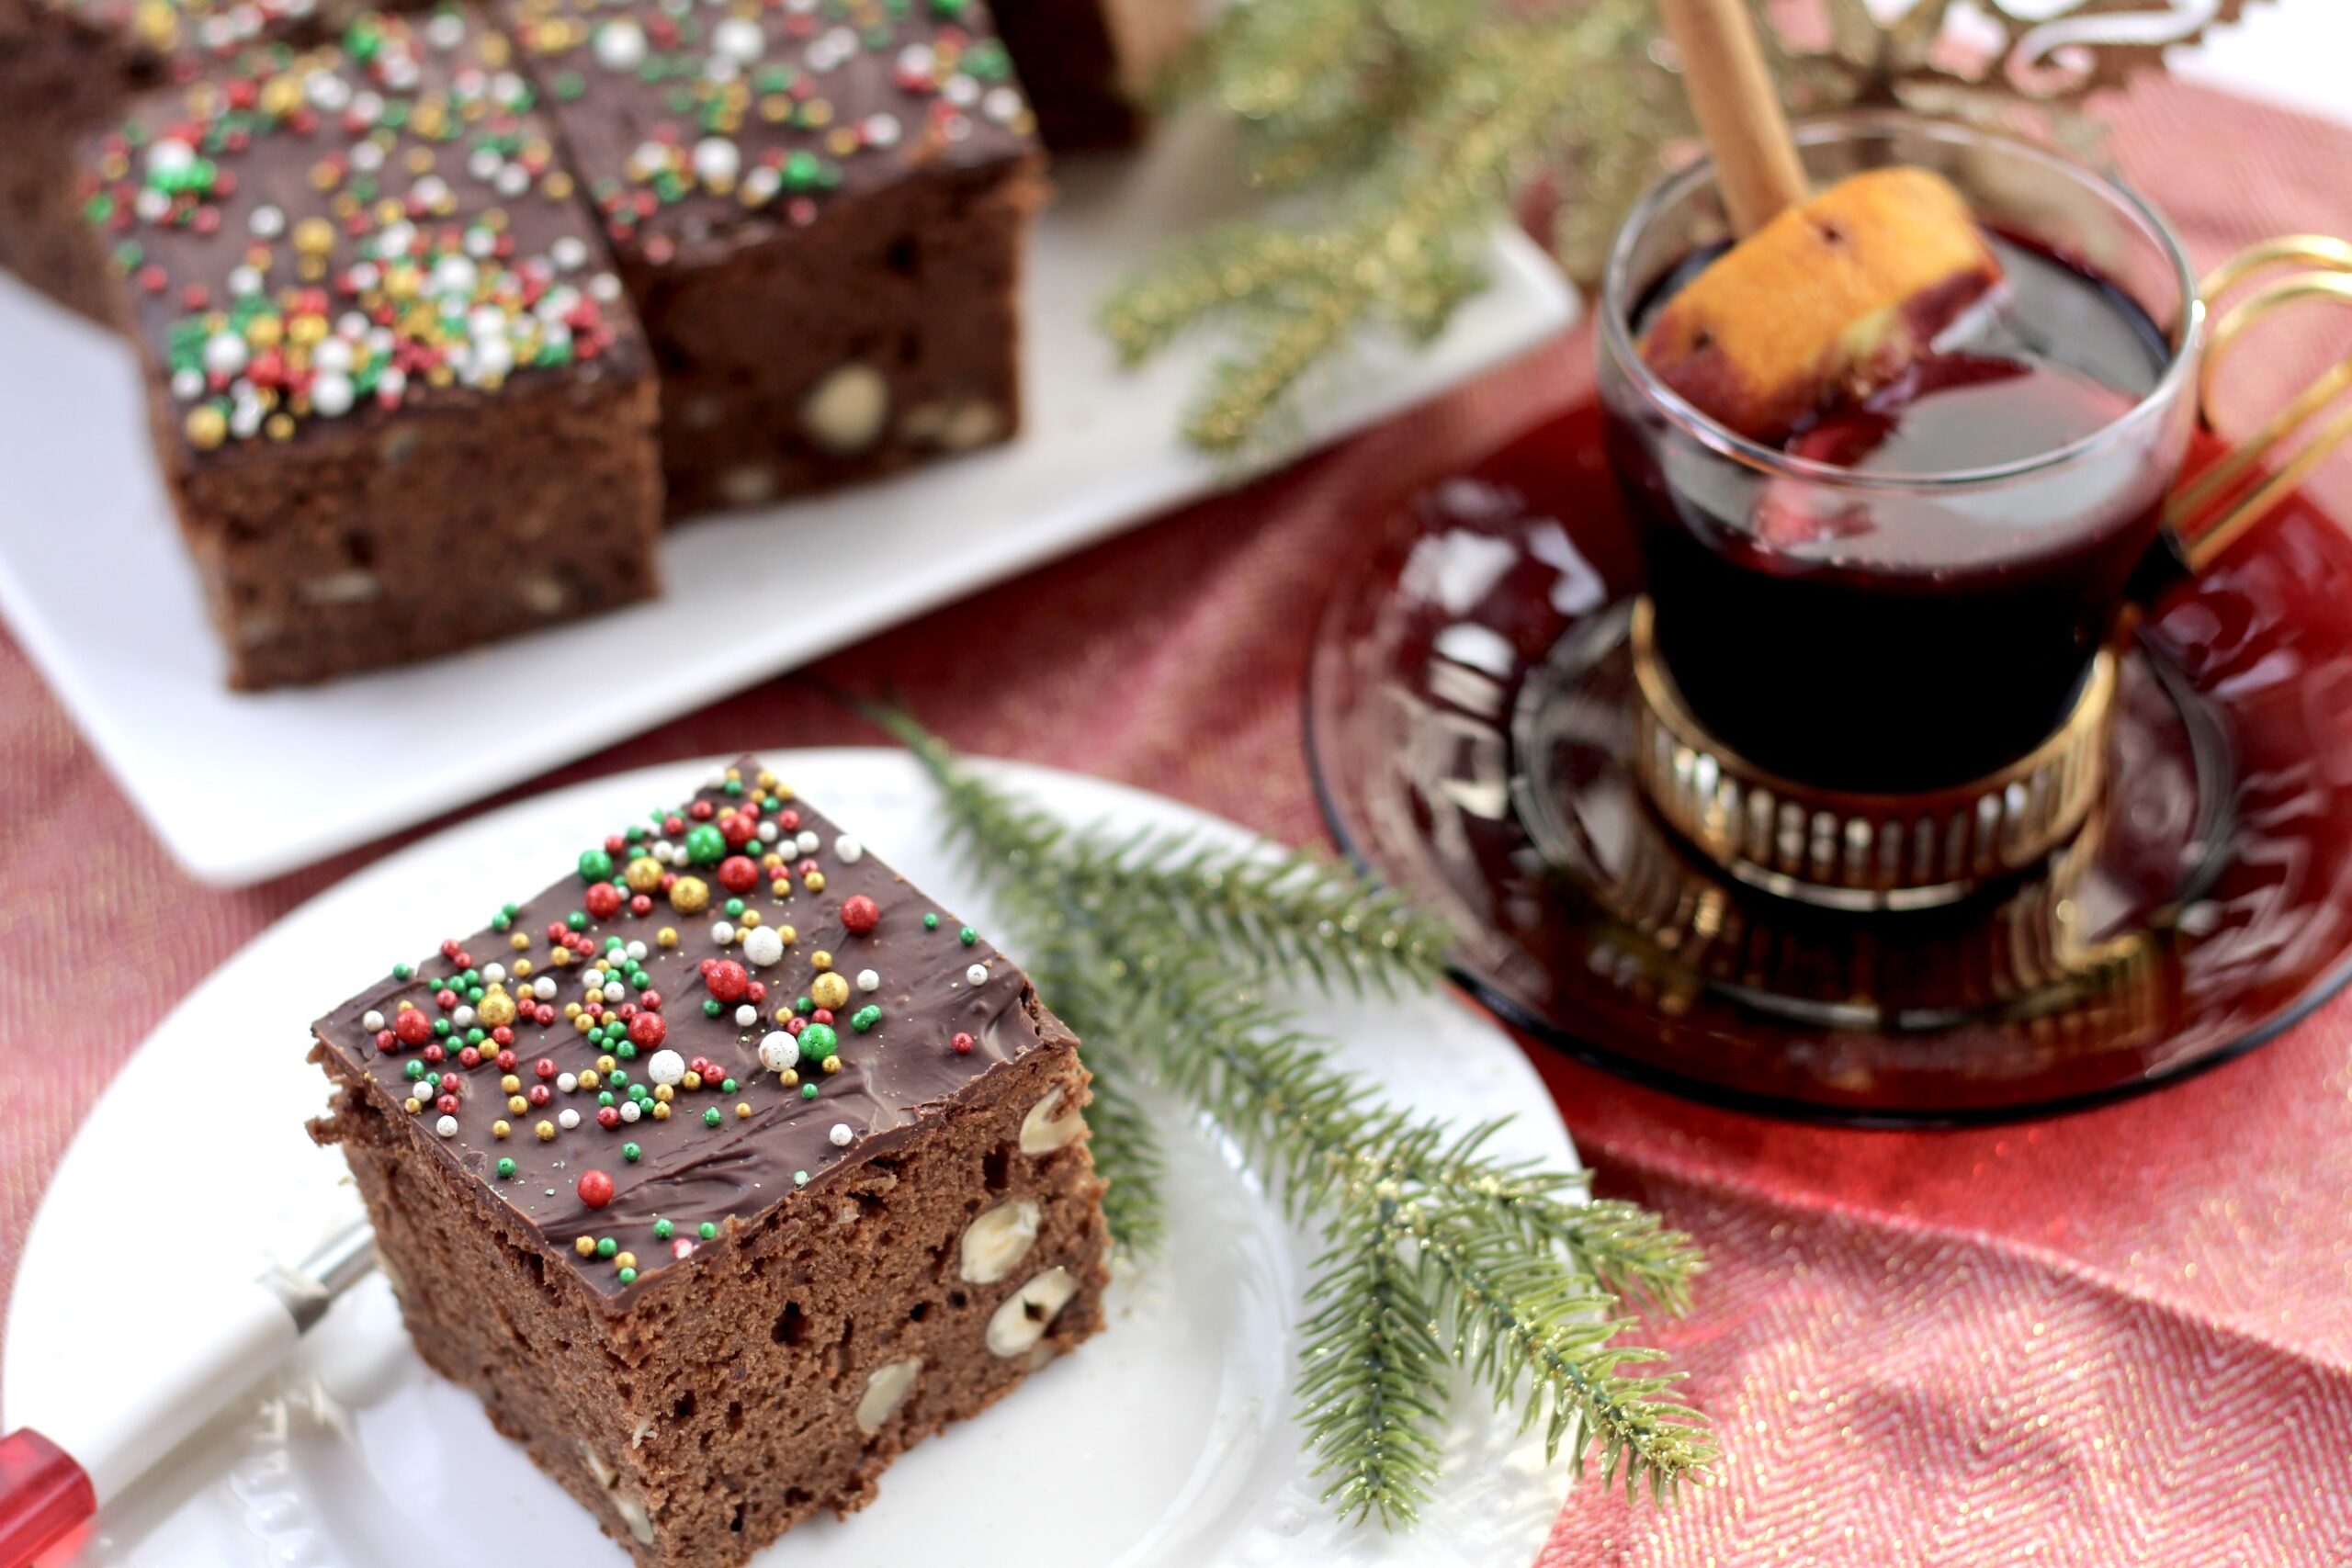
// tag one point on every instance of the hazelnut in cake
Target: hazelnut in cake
(723, 1171)
(818, 207)
(400, 401)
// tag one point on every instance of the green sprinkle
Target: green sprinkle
(577, 920)
(404, 971)
(662, 1229)
(865, 1017)
(415, 1069)
(596, 866)
(818, 1042)
(808, 1091)
(710, 1117)
(708, 1231)
(706, 845)
(968, 936)
(506, 1169)
(606, 1247)
(710, 1005)
(628, 1275)
(631, 1153)
(930, 922)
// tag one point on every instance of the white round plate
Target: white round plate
(1167, 1442)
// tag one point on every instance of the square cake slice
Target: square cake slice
(400, 402)
(723, 1171)
(67, 68)
(818, 207)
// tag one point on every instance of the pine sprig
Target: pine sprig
(1438, 1249)
(1275, 914)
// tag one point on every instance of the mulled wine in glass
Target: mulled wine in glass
(1907, 592)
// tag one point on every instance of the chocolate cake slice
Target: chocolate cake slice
(398, 397)
(723, 1171)
(818, 207)
(1089, 66)
(67, 70)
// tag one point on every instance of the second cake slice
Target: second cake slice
(818, 207)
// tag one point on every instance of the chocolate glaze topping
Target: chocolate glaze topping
(891, 1075)
(321, 239)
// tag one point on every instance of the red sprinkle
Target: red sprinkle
(412, 1027)
(962, 1044)
(859, 914)
(738, 874)
(648, 1029)
(595, 1189)
(726, 980)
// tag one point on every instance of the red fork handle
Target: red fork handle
(44, 1497)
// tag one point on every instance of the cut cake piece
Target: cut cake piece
(400, 402)
(723, 1171)
(818, 207)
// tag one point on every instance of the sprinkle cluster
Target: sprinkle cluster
(207, 26)
(588, 976)
(746, 95)
(392, 264)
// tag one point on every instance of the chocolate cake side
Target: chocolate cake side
(1089, 65)
(765, 1209)
(398, 397)
(819, 209)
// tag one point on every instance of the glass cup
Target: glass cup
(1910, 630)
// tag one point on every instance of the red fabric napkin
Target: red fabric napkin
(2120, 1337)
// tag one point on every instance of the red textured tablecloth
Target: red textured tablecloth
(2122, 1337)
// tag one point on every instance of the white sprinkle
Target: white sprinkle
(491, 974)
(570, 252)
(841, 1134)
(636, 949)
(331, 395)
(848, 851)
(187, 385)
(620, 46)
(170, 156)
(768, 830)
(224, 354)
(978, 975)
(371, 1020)
(463, 1017)
(446, 1126)
(567, 1081)
(544, 987)
(717, 161)
(1002, 104)
(630, 1112)
(244, 281)
(614, 991)
(867, 980)
(722, 932)
(267, 223)
(567, 1119)
(762, 946)
(666, 1068)
(739, 39)
(778, 1051)
(807, 842)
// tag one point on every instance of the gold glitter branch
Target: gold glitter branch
(1408, 127)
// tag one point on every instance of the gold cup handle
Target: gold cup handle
(2212, 511)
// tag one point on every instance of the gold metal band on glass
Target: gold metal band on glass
(1857, 850)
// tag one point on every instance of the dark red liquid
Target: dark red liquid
(1898, 639)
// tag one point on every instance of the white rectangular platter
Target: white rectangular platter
(94, 582)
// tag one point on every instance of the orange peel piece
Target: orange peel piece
(1833, 299)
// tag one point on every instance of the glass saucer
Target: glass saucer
(1467, 723)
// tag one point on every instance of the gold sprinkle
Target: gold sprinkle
(585, 1246)
(412, 1106)
(518, 1105)
(545, 1131)
(821, 959)
(500, 1128)
(742, 1112)
(660, 1111)
(814, 882)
